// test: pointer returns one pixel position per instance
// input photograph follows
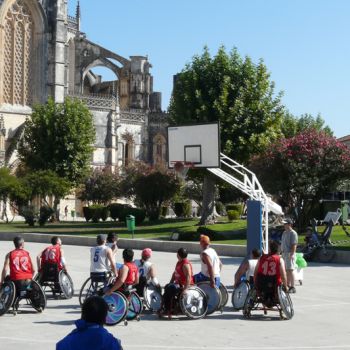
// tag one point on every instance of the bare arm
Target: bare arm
(120, 280)
(5, 268)
(31, 263)
(207, 261)
(283, 273)
(38, 260)
(63, 260)
(256, 271)
(187, 271)
(293, 249)
(110, 257)
(243, 268)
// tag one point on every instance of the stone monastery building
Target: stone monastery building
(43, 53)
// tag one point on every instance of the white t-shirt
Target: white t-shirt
(99, 260)
(214, 260)
(144, 268)
(252, 264)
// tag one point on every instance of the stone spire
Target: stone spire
(2, 140)
(78, 15)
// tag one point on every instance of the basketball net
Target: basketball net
(181, 169)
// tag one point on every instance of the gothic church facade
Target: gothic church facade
(44, 53)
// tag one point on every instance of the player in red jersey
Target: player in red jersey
(128, 274)
(52, 255)
(19, 263)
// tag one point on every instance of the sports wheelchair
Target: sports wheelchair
(12, 293)
(124, 306)
(191, 302)
(216, 297)
(58, 281)
(239, 295)
(267, 296)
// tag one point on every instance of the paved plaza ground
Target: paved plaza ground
(322, 309)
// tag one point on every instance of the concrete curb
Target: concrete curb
(342, 257)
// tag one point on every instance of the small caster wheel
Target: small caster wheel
(301, 282)
(125, 323)
(138, 318)
(40, 310)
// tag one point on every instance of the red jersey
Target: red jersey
(180, 276)
(269, 265)
(132, 274)
(52, 255)
(20, 265)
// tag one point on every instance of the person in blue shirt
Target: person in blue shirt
(90, 334)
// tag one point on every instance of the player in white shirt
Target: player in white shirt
(247, 267)
(102, 259)
(147, 273)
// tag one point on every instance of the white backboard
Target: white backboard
(198, 144)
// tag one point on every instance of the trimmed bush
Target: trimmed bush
(220, 208)
(87, 213)
(28, 212)
(96, 212)
(236, 206)
(164, 211)
(233, 215)
(45, 214)
(182, 209)
(193, 236)
(104, 213)
(115, 210)
(140, 215)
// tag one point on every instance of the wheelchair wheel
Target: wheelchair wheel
(66, 284)
(36, 296)
(117, 308)
(90, 288)
(152, 297)
(325, 255)
(7, 296)
(135, 307)
(249, 303)
(224, 296)
(193, 303)
(239, 295)
(213, 296)
(285, 303)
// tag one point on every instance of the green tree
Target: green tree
(12, 191)
(236, 92)
(60, 138)
(301, 169)
(101, 187)
(292, 125)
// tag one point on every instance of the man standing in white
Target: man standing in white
(288, 247)
(102, 259)
(210, 264)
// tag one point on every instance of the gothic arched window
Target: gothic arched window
(18, 52)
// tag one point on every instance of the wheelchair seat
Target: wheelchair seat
(49, 273)
(266, 288)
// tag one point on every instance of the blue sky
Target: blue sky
(304, 43)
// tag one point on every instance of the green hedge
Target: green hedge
(233, 215)
(235, 206)
(140, 215)
(44, 215)
(115, 210)
(95, 213)
(183, 209)
(193, 236)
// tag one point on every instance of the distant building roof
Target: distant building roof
(344, 139)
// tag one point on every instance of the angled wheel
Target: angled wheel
(213, 296)
(135, 307)
(152, 297)
(239, 295)
(325, 255)
(224, 296)
(90, 288)
(117, 308)
(285, 303)
(193, 303)
(36, 296)
(249, 303)
(7, 296)
(66, 284)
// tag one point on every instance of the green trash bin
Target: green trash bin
(130, 224)
(345, 210)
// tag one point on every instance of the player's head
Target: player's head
(101, 239)
(256, 253)
(112, 237)
(146, 253)
(94, 310)
(204, 241)
(273, 247)
(182, 253)
(56, 240)
(18, 242)
(128, 255)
